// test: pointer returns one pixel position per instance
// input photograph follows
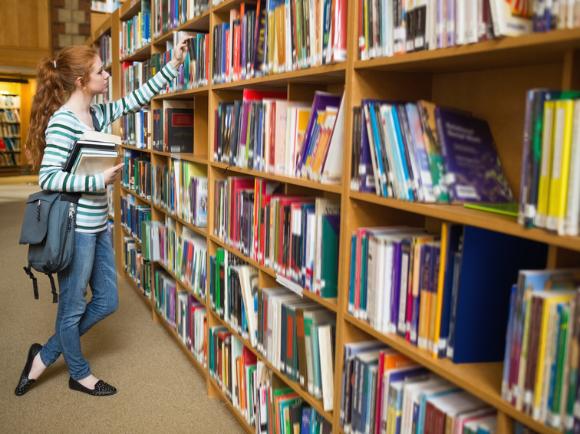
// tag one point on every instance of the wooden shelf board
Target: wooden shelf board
(163, 38)
(318, 74)
(462, 215)
(183, 94)
(227, 5)
(182, 283)
(134, 148)
(199, 23)
(329, 304)
(142, 53)
(130, 8)
(302, 182)
(181, 345)
(136, 195)
(480, 379)
(105, 27)
(181, 156)
(199, 230)
(238, 415)
(130, 234)
(502, 52)
(314, 403)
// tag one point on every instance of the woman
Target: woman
(61, 112)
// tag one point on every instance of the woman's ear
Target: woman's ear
(80, 83)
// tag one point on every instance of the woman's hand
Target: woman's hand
(179, 53)
(112, 174)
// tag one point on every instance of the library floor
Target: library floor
(159, 389)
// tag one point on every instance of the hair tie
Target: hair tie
(54, 64)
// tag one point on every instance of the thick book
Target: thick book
(472, 164)
(479, 310)
(178, 126)
(93, 153)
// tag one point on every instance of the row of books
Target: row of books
(194, 72)
(180, 187)
(106, 49)
(233, 367)
(135, 128)
(264, 131)
(136, 31)
(9, 144)
(173, 126)
(385, 392)
(165, 296)
(9, 115)
(191, 325)
(296, 236)
(261, 398)
(169, 14)
(136, 173)
(133, 215)
(540, 375)
(135, 266)
(391, 27)
(136, 74)
(423, 152)
(295, 335)
(9, 101)
(9, 130)
(436, 291)
(8, 159)
(550, 181)
(278, 36)
(280, 410)
(184, 254)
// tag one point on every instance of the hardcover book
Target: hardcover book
(472, 165)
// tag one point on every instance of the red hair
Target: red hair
(55, 83)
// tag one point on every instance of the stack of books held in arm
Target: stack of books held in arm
(93, 153)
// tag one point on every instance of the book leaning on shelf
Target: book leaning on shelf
(266, 132)
(418, 151)
(93, 153)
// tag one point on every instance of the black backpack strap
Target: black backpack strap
(53, 288)
(28, 271)
(96, 124)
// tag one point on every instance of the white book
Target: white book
(326, 365)
(506, 24)
(572, 221)
(333, 164)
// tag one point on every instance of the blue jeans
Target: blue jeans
(93, 262)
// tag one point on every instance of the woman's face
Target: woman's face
(98, 78)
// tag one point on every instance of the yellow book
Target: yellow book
(562, 150)
(440, 284)
(546, 166)
(550, 299)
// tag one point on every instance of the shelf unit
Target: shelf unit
(488, 78)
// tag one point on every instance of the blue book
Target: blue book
(306, 415)
(482, 300)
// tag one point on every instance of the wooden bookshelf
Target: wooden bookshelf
(488, 78)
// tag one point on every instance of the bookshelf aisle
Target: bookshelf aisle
(175, 244)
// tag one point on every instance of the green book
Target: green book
(509, 209)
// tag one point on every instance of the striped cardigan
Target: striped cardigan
(64, 129)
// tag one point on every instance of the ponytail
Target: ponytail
(55, 83)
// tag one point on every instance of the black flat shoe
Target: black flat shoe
(25, 384)
(101, 388)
